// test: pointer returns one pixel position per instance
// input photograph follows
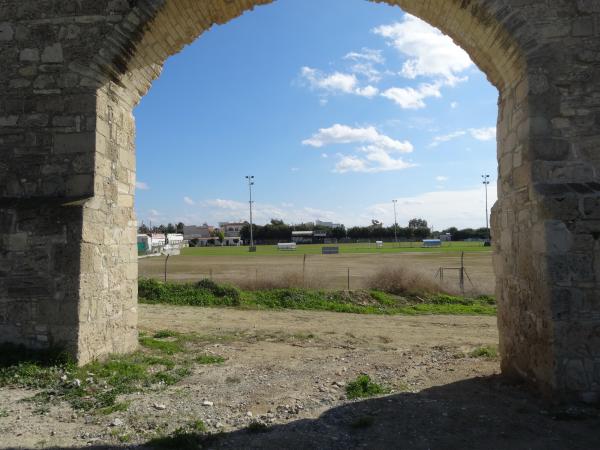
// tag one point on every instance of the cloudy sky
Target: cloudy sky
(335, 106)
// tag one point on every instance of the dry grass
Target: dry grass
(402, 281)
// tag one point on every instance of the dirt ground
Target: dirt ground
(288, 370)
(322, 271)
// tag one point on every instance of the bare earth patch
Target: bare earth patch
(277, 379)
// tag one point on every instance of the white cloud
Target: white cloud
(189, 201)
(367, 54)
(483, 134)
(442, 209)
(225, 204)
(367, 91)
(374, 159)
(410, 98)
(430, 53)
(447, 137)
(441, 178)
(142, 186)
(340, 83)
(335, 82)
(375, 155)
(295, 169)
(343, 134)
(454, 105)
(324, 155)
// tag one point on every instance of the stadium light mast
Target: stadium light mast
(250, 179)
(486, 182)
(395, 223)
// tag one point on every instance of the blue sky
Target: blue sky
(335, 106)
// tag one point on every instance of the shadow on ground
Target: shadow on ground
(477, 413)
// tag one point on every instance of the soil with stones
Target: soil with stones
(288, 371)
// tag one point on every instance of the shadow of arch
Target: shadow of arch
(474, 413)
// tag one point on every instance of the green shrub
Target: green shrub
(203, 293)
(484, 352)
(363, 387)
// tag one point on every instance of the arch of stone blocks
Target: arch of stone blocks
(72, 73)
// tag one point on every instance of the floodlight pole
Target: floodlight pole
(250, 179)
(395, 223)
(486, 182)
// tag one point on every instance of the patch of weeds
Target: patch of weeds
(159, 361)
(168, 347)
(210, 359)
(42, 409)
(3, 413)
(198, 426)
(258, 427)
(124, 438)
(172, 377)
(97, 386)
(117, 407)
(233, 380)
(363, 387)
(165, 334)
(484, 352)
(362, 422)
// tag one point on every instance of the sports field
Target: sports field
(315, 249)
(357, 262)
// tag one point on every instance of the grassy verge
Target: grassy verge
(208, 293)
(163, 359)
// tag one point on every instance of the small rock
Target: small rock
(249, 413)
(159, 406)
(116, 422)
(77, 382)
(207, 403)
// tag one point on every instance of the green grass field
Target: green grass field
(314, 249)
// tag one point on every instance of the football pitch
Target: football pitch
(351, 248)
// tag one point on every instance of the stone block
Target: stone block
(53, 54)
(7, 32)
(30, 55)
(84, 142)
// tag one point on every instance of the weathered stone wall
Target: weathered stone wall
(75, 69)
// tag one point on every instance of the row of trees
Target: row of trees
(169, 228)
(277, 230)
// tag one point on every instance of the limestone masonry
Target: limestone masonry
(71, 71)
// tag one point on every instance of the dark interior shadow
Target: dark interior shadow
(476, 413)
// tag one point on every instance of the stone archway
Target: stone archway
(73, 71)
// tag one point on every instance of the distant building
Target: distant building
(232, 229)
(309, 237)
(302, 237)
(175, 239)
(197, 232)
(158, 239)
